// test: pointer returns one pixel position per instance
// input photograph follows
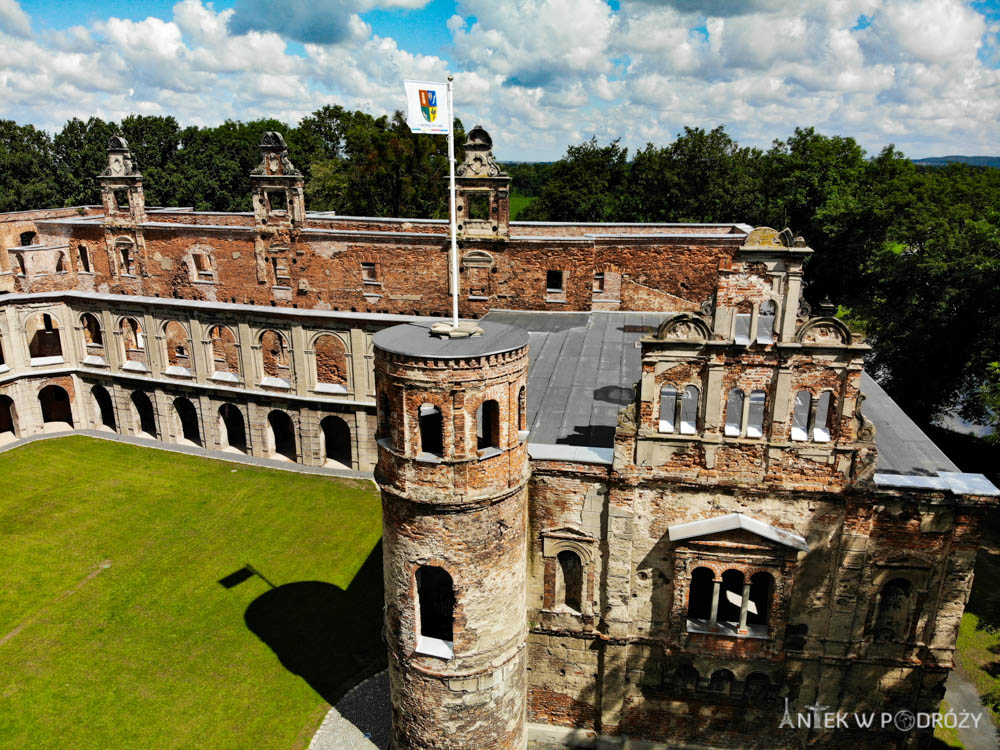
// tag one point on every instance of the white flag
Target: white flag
(427, 107)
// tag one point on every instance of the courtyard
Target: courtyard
(153, 599)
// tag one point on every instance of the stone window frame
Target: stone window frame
(918, 578)
(57, 325)
(163, 345)
(208, 343)
(752, 321)
(679, 390)
(86, 260)
(741, 426)
(94, 354)
(128, 364)
(208, 276)
(474, 259)
(809, 428)
(315, 384)
(702, 668)
(584, 546)
(258, 351)
(743, 628)
(130, 270)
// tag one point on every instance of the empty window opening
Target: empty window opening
(488, 425)
(55, 405)
(126, 258)
(384, 416)
(734, 413)
(569, 586)
(368, 273)
(893, 611)
(741, 329)
(281, 433)
(42, 332)
(133, 341)
(821, 420)
(800, 415)
(436, 602)
(689, 410)
(274, 351)
(756, 689)
(685, 679)
(765, 323)
(232, 428)
(522, 409)
(225, 353)
(755, 414)
(331, 360)
(598, 282)
(721, 682)
(478, 206)
(554, 282)
(336, 441)
(203, 267)
(144, 412)
(84, 255)
(105, 408)
(431, 430)
(668, 408)
(20, 264)
(121, 199)
(761, 587)
(277, 201)
(61, 263)
(177, 344)
(700, 594)
(730, 598)
(8, 416)
(28, 238)
(187, 416)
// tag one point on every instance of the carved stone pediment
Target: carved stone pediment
(274, 160)
(479, 161)
(684, 327)
(825, 330)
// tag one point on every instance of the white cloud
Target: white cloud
(13, 20)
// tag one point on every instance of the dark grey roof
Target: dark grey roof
(903, 448)
(416, 340)
(581, 372)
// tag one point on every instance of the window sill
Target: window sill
(730, 629)
(178, 372)
(85, 273)
(371, 282)
(330, 388)
(4, 368)
(204, 282)
(281, 286)
(435, 647)
(94, 361)
(225, 377)
(135, 366)
(276, 383)
(428, 458)
(129, 276)
(488, 453)
(45, 361)
(554, 301)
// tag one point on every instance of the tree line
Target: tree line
(911, 254)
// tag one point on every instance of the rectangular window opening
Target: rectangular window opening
(368, 272)
(121, 199)
(598, 282)
(277, 201)
(478, 206)
(741, 329)
(554, 282)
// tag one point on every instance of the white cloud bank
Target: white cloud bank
(541, 73)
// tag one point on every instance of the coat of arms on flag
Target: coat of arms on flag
(428, 104)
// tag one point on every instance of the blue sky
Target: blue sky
(540, 74)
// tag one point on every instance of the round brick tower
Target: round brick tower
(453, 470)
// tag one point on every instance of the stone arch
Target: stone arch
(330, 353)
(44, 339)
(9, 428)
(274, 354)
(178, 345)
(734, 413)
(281, 435)
(232, 428)
(55, 405)
(721, 682)
(685, 679)
(569, 580)
(767, 318)
(685, 326)
(435, 603)
(225, 350)
(689, 410)
(756, 688)
(133, 341)
(187, 420)
(145, 415)
(126, 256)
(93, 333)
(336, 441)
(824, 330)
(105, 407)
(700, 594)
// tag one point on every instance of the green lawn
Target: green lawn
(518, 203)
(115, 630)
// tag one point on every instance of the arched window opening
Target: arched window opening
(431, 430)
(282, 435)
(756, 689)
(821, 421)
(800, 416)
(133, 341)
(144, 412)
(700, 595)
(232, 428)
(741, 325)
(761, 588)
(569, 583)
(488, 425)
(765, 322)
(61, 263)
(686, 679)
(105, 408)
(225, 353)
(731, 598)
(336, 442)
(721, 682)
(274, 351)
(668, 408)
(28, 238)
(331, 360)
(92, 335)
(126, 257)
(384, 415)
(436, 602)
(54, 402)
(894, 604)
(178, 347)
(755, 414)
(187, 417)
(43, 336)
(84, 255)
(689, 410)
(8, 418)
(522, 409)
(734, 413)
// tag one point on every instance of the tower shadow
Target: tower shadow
(330, 637)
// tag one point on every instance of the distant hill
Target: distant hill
(976, 161)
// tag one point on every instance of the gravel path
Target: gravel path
(361, 720)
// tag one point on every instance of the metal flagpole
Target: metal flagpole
(454, 220)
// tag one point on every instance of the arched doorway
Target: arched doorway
(56, 409)
(44, 342)
(105, 408)
(281, 434)
(8, 420)
(336, 442)
(232, 428)
(144, 412)
(187, 418)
